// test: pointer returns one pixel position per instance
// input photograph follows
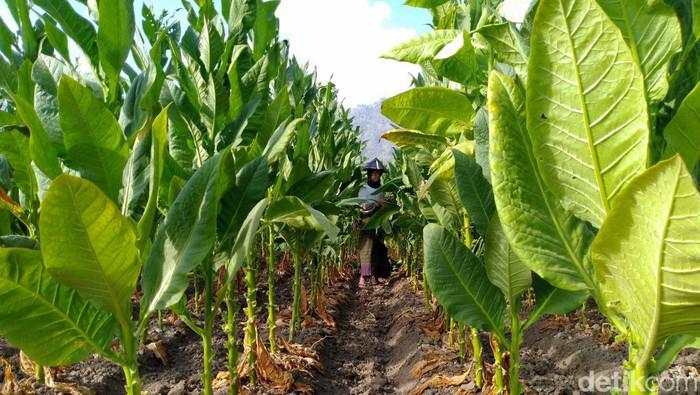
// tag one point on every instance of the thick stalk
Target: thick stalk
(477, 356)
(207, 333)
(426, 292)
(638, 381)
(231, 329)
(39, 373)
(130, 367)
(451, 334)
(497, 366)
(296, 304)
(271, 307)
(461, 339)
(251, 330)
(514, 351)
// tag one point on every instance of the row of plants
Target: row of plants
(161, 157)
(557, 159)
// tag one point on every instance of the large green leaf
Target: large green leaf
(474, 191)
(135, 178)
(244, 246)
(586, 110)
(159, 141)
(44, 155)
(683, 132)
(95, 145)
(432, 110)
(552, 300)
(88, 245)
(292, 211)
(278, 143)
(74, 25)
(252, 181)
(187, 236)
(14, 146)
(503, 267)
(647, 256)
(114, 36)
(413, 138)
(550, 241)
(50, 322)
(422, 48)
(652, 31)
(265, 26)
(46, 72)
(458, 61)
(508, 46)
(459, 282)
(695, 344)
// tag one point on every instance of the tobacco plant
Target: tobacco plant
(184, 137)
(582, 103)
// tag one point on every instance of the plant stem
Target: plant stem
(296, 304)
(451, 334)
(461, 339)
(208, 326)
(638, 380)
(130, 366)
(426, 292)
(477, 355)
(497, 366)
(39, 373)
(232, 334)
(271, 307)
(514, 351)
(251, 330)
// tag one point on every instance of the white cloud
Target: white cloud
(344, 39)
(515, 10)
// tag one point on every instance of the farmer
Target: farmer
(374, 260)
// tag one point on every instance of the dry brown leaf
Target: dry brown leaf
(268, 370)
(221, 381)
(158, 349)
(440, 381)
(27, 366)
(431, 362)
(298, 349)
(9, 384)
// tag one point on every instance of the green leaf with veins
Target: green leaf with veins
(683, 132)
(653, 33)
(432, 110)
(503, 267)
(88, 245)
(422, 48)
(95, 144)
(50, 322)
(647, 257)
(586, 109)
(550, 240)
(458, 280)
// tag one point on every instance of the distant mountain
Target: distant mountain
(372, 124)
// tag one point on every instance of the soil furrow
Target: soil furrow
(355, 358)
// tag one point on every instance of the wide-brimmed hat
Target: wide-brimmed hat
(375, 164)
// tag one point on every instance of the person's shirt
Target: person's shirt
(369, 193)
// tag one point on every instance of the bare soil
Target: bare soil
(383, 339)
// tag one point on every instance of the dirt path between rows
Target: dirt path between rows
(382, 343)
(356, 355)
